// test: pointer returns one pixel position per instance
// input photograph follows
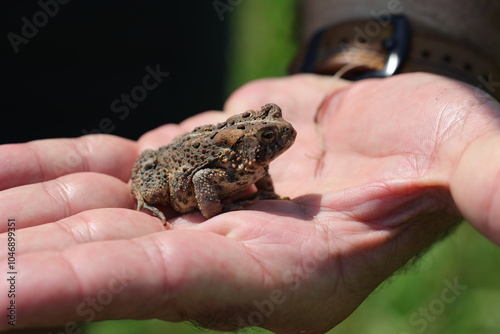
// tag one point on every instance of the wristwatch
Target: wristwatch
(377, 49)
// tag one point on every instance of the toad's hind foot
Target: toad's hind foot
(141, 204)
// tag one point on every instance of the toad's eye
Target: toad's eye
(267, 136)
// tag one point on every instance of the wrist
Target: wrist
(470, 22)
(441, 39)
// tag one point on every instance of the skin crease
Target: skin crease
(402, 160)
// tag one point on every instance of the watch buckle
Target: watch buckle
(397, 47)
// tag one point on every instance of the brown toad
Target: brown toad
(198, 170)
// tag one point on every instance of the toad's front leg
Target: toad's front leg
(207, 190)
(265, 189)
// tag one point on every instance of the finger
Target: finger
(88, 226)
(170, 275)
(44, 202)
(44, 160)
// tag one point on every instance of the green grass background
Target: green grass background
(262, 34)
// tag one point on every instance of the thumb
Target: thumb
(475, 181)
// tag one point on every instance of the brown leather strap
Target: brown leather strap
(363, 44)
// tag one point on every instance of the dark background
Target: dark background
(63, 81)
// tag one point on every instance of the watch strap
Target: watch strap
(383, 48)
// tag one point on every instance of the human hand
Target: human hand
(397, 163)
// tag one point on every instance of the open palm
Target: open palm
(387, 169)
